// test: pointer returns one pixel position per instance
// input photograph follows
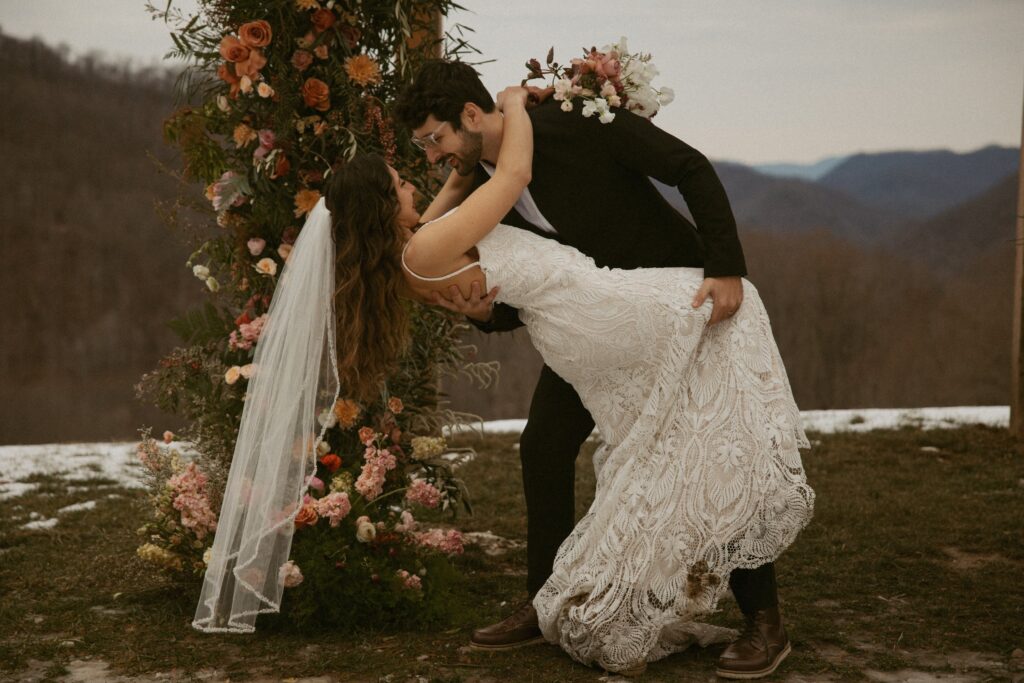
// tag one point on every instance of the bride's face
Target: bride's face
(408, 216)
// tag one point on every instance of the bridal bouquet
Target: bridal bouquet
(602, 79)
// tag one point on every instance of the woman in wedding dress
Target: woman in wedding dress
(699, 472)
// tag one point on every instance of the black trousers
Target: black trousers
(558, 425)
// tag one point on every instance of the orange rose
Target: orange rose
(251, 66)
(331, 461)
(305, 200)
(395, 405)
(307, 516)
(227, 74)
(232, 50)
(281, 167)
(301, 59)
(255, 34)
(366, 434)
(320, 51)
(346, 411)
(316, 94)
(322, 20)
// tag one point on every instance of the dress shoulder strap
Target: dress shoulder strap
(409, 270)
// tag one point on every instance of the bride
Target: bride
(699, 472)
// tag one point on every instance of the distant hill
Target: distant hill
(921, 184)
(91, 273)
(790, 205)
(802, 171)
(956, 238)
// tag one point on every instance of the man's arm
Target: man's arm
(641, 146)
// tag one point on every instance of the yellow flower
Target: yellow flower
(347, 412)
(306, 4)
(305, 200)
(243, 135)
(362, 70)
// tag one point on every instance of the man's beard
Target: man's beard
(469, 156)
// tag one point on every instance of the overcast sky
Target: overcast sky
(755, 81)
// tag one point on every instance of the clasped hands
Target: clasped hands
(725, 292)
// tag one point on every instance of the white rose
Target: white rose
(248, 370)
(207, 555)
(327, 418)
(264, 90)
(212, 284)
(567, 105)
(267, 266)
(201, 272)
(365, 530)
(323, 448)
(232, 375)
(222, 103)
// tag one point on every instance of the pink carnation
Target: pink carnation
(424, 493)
(410, 580)
(190, 499)
(247, 334)
(334, 506)
(447, 541)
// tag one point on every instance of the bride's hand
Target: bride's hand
(513, 95)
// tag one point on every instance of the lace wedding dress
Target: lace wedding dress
(699, 472)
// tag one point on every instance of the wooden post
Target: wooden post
(1017, 360)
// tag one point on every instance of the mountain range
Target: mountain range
(888, 276)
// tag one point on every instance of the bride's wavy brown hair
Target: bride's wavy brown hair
(372, 320)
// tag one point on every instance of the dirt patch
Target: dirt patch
(965, 562)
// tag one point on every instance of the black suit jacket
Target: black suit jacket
(591, 180)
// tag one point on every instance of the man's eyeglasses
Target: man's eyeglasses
(428, 140)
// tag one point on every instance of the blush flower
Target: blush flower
(266, 266)
(256, 245)
(305, 200)
(290, 575)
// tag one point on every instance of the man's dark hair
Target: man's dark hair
(441, 88)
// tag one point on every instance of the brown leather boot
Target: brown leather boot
(516, 630)
(760, 648)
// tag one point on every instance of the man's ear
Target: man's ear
(471, 117)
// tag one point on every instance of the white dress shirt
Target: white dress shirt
(525, 205)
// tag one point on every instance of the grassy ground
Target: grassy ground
(911, 570)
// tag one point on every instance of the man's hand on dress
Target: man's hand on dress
(478, 306)
(725, 292)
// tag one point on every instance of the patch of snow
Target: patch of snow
(75, 507)
(41, 524)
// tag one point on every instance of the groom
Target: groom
(590, 189)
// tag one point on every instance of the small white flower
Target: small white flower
(614, 101)
(327, 419)
(567, 105)
(264, 90)
(365, 531)
(607, 90)
(563, 86)
(285, 251)
(589, 108)
(248, 370)
(245, 84)
(666, 96)
(323, 448)
(267, 266)
(201, 272)
(222, 103)
(606, 117)
(207, 555)
(232, 375)
(212, 284)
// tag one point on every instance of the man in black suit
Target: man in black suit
(590, 188)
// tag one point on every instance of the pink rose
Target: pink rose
(301, 59)
(267, 138)
(256, 245)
